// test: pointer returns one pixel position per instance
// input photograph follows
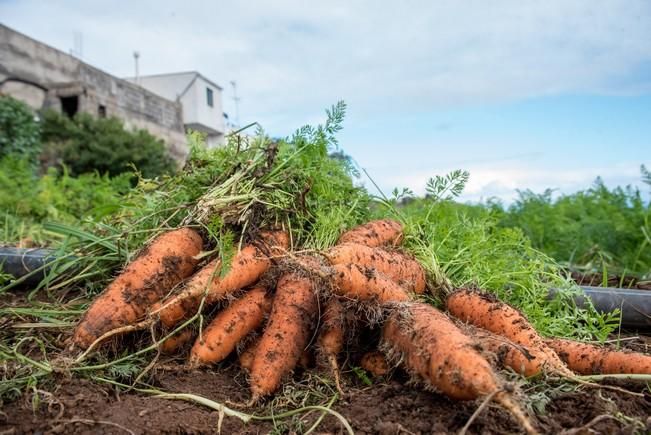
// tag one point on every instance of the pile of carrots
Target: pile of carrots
(279, 307)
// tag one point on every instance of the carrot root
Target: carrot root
(485, 311)
(399, 267)
(230, 326)
(363, 284)
(385, 232)
(439, 353)
(588, 359)
(288, 331)
(165, 262)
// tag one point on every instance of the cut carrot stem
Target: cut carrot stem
(375, 363)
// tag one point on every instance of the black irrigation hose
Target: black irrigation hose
(20, 262)
(635, 305)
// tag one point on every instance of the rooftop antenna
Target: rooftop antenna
(78, 45)
(236, 100)
(136, 56)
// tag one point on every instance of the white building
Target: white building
(201, 100)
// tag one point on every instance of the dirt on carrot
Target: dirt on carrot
(383, 232)
(486, 311)
(402, 268)
(166, 261)
(590, 359)
(289, 328)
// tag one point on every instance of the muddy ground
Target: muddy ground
(80, 406)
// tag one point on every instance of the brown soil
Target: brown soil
(615, 281)
(80, 406)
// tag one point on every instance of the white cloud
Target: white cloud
(300, 56)
(503, 180)
(292, 59)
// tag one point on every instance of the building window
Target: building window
(209, 96)
(101, 111)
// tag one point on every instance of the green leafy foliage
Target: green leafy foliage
(446, 187)
(86, 144)
(595, 229)
(19, 130)
(231, 193)
(464, 246)
(27, 200)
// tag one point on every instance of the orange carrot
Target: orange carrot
(486, 311)
(403, 269)
(375, 363)
(178, 341)
(245, 357)
(588, 359)
(506, 353)
(246, 268)
(366, 285)
(331, 336)
(230, 326)
(287, 334)
(436, 351)
(385, 232)
(166, 261)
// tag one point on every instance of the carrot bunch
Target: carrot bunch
(279, 308)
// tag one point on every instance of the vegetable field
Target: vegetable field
(262, 289)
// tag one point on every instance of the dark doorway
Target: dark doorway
(70, 105)
(101, 111)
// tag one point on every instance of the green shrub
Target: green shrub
(86, 144)
(596, 228)
(27, 200)
(19, 130)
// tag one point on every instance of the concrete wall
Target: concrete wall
(169, 86)
(62, 75)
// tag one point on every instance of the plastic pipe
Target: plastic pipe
(635, 305)
(19, 262)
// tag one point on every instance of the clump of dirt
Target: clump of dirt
(81, 406)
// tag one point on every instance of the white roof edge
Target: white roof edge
(194, 73)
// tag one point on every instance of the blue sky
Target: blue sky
(522, 94)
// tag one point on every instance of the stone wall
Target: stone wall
(41, 75)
